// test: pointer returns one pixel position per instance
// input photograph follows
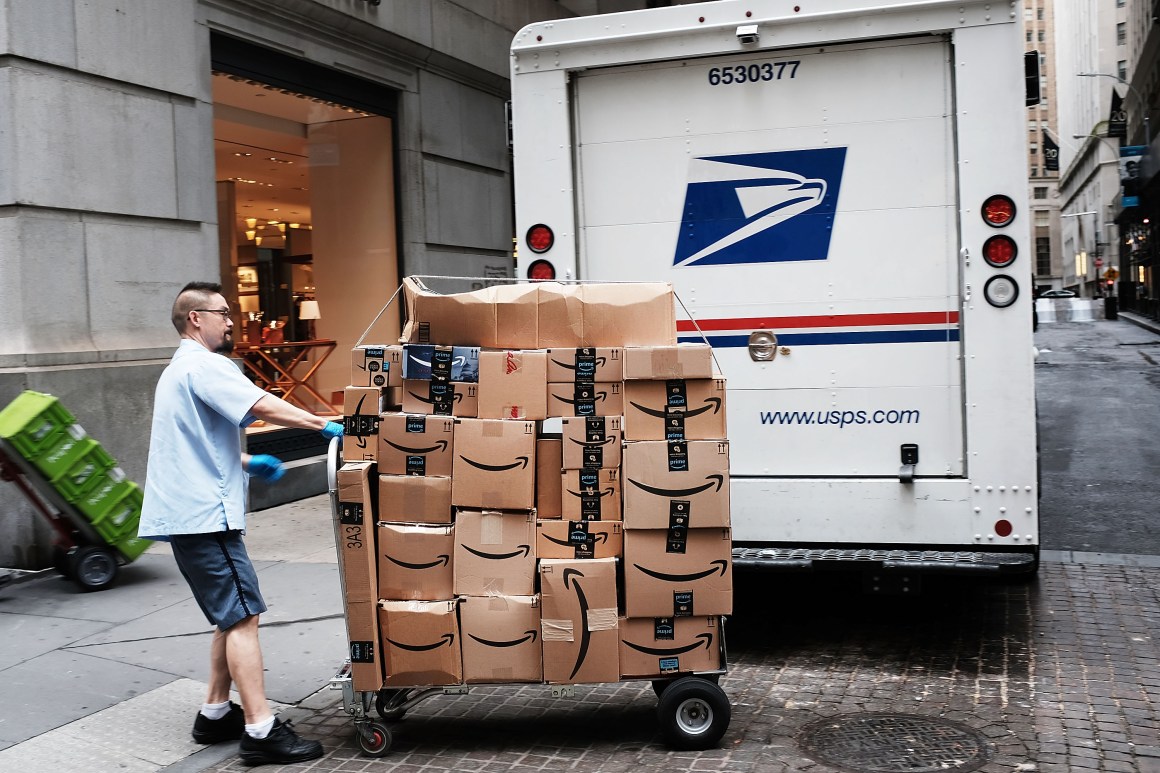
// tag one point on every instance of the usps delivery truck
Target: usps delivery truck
(835, 192)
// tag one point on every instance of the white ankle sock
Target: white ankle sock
(215, 710)
(261, 729)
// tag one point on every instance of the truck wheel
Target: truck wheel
(92, 567)
(694, 714)
(389, 704)
(374, 738)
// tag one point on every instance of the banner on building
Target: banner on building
(1050, 154)
(1131, 157)
(1117, 119)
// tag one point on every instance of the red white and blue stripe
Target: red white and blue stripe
(829, 329)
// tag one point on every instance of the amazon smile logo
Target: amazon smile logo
(528, 636)
(582, 600)
(714, 404)
(598, 397)
(521, 461)
(443, 559)
(704, 640)
(525, 549)
(592, 493)
(581, 535)
(455, 396)
(719, 565)
(679, 493)
(440, 446)
(600, 363)
(602, 442)
(446, 640)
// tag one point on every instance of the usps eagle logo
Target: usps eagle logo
(760, 207)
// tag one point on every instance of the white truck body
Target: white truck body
(815, 173)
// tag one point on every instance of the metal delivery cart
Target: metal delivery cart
(693, 710)
(92, 509)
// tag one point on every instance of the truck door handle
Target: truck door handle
(909, 454)
(762, 346)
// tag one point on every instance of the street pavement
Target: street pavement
(1061, 673)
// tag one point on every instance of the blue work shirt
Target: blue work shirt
(194, 482)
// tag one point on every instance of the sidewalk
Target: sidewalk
(1062, 674)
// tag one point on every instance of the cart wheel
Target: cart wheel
(374, 738)
(694, 714)
(389, 704)
(660, 685)
(60, 562)
(92, 567)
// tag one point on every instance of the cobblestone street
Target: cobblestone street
(1061, 674)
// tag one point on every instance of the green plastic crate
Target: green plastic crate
(86, 472)
(132, 547)
(109, 488)
(120, 521)
(34, 422)
(67, 447)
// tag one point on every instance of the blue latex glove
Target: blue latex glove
(268, 468)
(332, 430)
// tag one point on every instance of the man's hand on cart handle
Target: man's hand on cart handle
(332, 430)
(268, 468)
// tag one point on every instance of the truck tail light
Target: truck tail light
(540, 238)
(998, 210)
(1000, 251)
(541, 270)
(1001, 291)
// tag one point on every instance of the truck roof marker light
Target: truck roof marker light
(541, 270)
(1001, 291)
(998, 210)
(1000, 251)
(1003, 528)
(540, 238)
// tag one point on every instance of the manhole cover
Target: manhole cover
(893, 743)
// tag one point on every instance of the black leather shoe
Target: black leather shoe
(281, 745)
(228, 728)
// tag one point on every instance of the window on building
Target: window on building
(1121, 3)
(1039, 14)
(1043, 255)
(1122, 69)
(1028, 13)
(1041, 36)
(1034, 171)
(1039, 192)
(1028, 35)
(1121, 33)
(1042, 217)
(1033, 148)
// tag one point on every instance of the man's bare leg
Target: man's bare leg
(243, 656)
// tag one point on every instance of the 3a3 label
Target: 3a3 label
(753, 73)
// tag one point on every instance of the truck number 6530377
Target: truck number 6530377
(752, 73)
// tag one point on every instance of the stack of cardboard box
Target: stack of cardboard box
(552, 501)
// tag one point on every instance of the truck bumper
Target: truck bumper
(789, 559)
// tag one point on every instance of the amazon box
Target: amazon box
(415, 561)
(494, 465)
(685, 360)
(606, 314)
(678, 573)
(511, 384)
(580, 638)
(591, 442)
(676, 484)
(586, 399)
(427, 362)
(366, 660)
(589, 364)
(667, 646)
(420, 643)
(590, 495)
(361, 407)
(369, 366)
(549, 462)
(675, 409)
(501, 639)
(579, 539)
(412, 444)
(356, 530)
(495, 553)
(414, 499)
(502, 316)
(441, 398)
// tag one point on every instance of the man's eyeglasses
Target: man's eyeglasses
(224, 312)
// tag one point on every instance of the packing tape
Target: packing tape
(491, 529)
(557, 630)
(602, 619)
(665, 362)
